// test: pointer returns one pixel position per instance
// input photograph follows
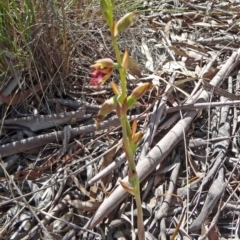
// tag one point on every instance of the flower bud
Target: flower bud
(141, 90)
(115, 88)
(134, 127)
(137, 137)
(125, 60)
(107, 107)
(135, 140)
(124, 23)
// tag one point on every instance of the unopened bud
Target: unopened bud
(141, 90)
(107, 107)
(137, 137)
(124, 23)
(125, 60)
(115, 88)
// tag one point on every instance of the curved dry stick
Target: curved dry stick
(38, 141)
(36, 123)
(162, 148)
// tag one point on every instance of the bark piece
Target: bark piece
(213, 196)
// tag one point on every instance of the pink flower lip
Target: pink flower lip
(102, 70)
(96, 77)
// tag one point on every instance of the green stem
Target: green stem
(132, 176)
(141, 231)
(122, 71)
(133, 180)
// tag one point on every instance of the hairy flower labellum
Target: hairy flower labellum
(102, 70)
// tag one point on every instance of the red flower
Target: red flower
(102, 70)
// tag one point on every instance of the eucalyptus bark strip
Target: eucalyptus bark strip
(43, 139)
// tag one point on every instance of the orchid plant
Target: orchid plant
(121, 102)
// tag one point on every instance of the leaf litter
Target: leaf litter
(60, 174)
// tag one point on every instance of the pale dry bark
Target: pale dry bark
(41, 140)
(36, 123)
